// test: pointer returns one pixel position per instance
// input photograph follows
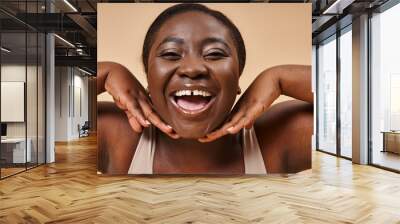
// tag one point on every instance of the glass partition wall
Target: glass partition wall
(13, 89)
(22, 98)
(345, 93)
(326, 98)
(385, 89)
(334, 88)
(334, 93)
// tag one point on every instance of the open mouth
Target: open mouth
(192, 101)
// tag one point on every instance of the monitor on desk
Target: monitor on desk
(3, 130)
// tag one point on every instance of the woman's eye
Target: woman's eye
(173, 56)
(215, 55)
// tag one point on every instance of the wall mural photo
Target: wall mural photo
(204, 88)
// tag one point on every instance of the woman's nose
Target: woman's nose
(192, 67)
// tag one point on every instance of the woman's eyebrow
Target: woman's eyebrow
(210, 40)
(171, 39)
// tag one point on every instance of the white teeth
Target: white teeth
(192, 93)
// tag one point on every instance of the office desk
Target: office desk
(13, 150)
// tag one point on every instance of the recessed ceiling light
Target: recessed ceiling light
(64, 40)
(337, 7)
(84, 71)
(70, 5)
(5, 50)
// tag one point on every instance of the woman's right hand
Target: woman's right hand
(130, 96)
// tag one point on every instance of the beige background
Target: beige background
(274, 34)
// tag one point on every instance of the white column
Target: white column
(360, 90)
(50, 98)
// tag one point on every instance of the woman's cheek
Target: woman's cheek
(158, 75)
(231, 86)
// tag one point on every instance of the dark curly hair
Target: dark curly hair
(192, 7)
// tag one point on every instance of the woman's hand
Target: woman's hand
(130, 96)
(290, 80)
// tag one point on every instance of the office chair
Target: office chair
(84, 130)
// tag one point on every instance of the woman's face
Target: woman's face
(193, 73)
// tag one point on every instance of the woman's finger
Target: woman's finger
(173, 135)
(156, 120)
(253, 113)
(249, 123)
(215, 135)
(128, 103)
(118, 103)
(151, 116)
(134, 108)
(237, 126)
(243, 117)
(134, 123)
(223, 130)
(241, 114)
(256, 110)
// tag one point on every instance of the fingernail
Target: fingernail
(169, 126)
(230, 129)
(147, 122)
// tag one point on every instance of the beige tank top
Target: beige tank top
(142, 162)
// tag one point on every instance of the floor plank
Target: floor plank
(70, 191)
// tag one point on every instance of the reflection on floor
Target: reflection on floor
(10, 169)
(69, 191)
(387, 159)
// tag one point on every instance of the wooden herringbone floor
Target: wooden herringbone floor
(69, 191)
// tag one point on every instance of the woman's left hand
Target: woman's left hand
(291, 80)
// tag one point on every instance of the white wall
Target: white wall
(61, 103)
(33, 126)
(12, 73)
(82, 83)
(71, 94)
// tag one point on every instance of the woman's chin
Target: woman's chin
(191, 135)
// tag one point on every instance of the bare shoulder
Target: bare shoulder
(116, 141)
(284, 134)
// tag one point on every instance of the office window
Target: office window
(385, 88)
(327, 96)
(346, 92)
